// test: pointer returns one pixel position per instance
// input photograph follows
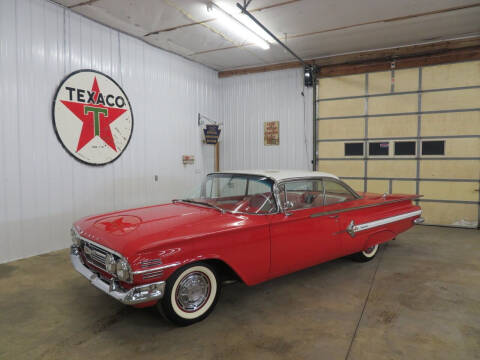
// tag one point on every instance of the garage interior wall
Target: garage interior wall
(413, 108)
(248, 102)
(42, 188)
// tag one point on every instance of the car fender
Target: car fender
(379, 237)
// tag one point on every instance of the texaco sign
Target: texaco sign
(92, 117)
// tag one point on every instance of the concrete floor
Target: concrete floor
(424, 304)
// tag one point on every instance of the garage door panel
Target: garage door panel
(356, 185)
(341, 86)
(450, 169)
(451, 75)
(459, 123)
(466, 147)
(451, 100)
(465, 215)
(406, 80)
(393, 104)
(337, 108)
(379, 82)
(348, 128)
(388, 168)
(331, 149)
(392, 126)
(352, 168)
(443, 190)
(404, 187)
(377, 186)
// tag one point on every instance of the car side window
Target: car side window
(302, 194)
(336, 193)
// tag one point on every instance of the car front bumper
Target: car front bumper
(136, 295)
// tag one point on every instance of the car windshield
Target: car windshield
(235, 193)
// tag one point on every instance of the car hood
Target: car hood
(135, 230)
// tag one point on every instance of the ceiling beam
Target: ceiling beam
(353, 26)
(394, 19)
(377, 60)
(213, 19)
(449, 56)
(88, 2)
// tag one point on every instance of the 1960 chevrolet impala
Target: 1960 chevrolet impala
(250, 226)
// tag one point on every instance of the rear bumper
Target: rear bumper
(419, 220)
(136, 295)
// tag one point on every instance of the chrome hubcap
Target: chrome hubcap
(371, 250)
(193, 291)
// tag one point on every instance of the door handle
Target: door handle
(333, 216)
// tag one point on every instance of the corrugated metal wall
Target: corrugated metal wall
(42, 188)
(251, 100)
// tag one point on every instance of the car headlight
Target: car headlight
(123, 271)
(75, 239)
(110, 264)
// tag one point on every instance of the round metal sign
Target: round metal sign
(92, 117)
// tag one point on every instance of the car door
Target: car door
(298, 239)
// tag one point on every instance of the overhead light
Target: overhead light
(236, 26)
(245, 20)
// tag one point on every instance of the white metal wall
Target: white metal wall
(42, 188)
(251, 100)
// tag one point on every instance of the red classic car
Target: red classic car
(250, 226)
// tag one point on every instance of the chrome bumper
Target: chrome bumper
(419, 220)
(136, 295)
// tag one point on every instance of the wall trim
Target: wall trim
(441, 52)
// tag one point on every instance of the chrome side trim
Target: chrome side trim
(324, 213)
(136, 295)
(153, 274)
(389, 220)
(166, 266)
(145, 264)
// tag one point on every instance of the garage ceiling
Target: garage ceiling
(311, 28)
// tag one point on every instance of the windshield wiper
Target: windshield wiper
(201, 203)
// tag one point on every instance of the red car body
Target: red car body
(255, 247)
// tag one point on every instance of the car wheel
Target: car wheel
(190, 294)
(366, 255)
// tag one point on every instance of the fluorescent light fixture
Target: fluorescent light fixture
(238, 27)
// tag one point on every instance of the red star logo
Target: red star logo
(96, 119)
(118, 225)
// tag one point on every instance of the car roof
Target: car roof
(280, 175)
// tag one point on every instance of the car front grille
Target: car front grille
(95, 255)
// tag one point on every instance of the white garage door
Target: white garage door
(414, 131)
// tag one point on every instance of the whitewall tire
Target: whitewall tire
(366, 255)
(190, 294)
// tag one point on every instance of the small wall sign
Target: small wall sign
(271, 133)
(92, 117)
(188, 159)
(212, 133)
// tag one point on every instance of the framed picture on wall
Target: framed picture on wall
(271, 133)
